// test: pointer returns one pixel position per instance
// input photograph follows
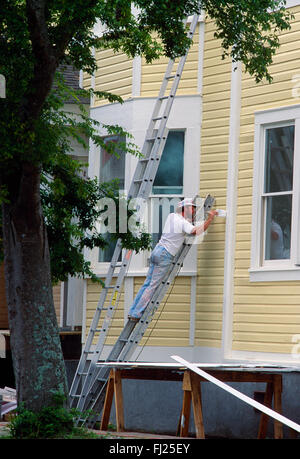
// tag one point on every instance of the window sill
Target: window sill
(274, 274)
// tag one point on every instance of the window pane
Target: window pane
(111, 168)
(278, 227)
(105, 255)
(279, 159)
(169, 176)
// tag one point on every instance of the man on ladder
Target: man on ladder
(177, 226)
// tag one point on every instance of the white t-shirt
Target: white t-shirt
(174, 232)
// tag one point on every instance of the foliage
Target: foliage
(249, 31)
(72, 215)
(55, 421)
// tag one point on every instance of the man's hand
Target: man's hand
(212, 214)
(200, 229)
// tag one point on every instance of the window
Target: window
(111, 167)
(275, 224)
(169, 176)
(168, 184)
(278, 191)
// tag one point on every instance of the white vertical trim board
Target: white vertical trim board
(128, 295)
(136, 76)
(61, 305)
(92, 101)
(231, 205)
(193, 309)
(200, 56)
(84, 304)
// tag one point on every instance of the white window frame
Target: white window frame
(274, 270)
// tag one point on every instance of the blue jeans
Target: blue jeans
(160, 262)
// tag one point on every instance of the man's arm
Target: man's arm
(203, 227)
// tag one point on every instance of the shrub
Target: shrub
(55, 421)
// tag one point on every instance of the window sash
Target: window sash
(281, 177)
(115, 169)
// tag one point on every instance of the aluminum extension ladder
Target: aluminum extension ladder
(141, 186)
(133, 331)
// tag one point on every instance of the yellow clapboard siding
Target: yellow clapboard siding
(152, 74)
(260, 318)
(171, 323)
(264, 328)
(265, 337)
(264, 347)
(114, 74)
(56, 298)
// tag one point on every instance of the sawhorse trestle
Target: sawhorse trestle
(191, 385)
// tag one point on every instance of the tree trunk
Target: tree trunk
(36, 350)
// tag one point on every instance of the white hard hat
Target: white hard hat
(186, 202)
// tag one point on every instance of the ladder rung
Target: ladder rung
(159, 118)
(172, 76)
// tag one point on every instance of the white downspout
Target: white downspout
(231, 208)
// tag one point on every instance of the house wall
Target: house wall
(266, 314)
